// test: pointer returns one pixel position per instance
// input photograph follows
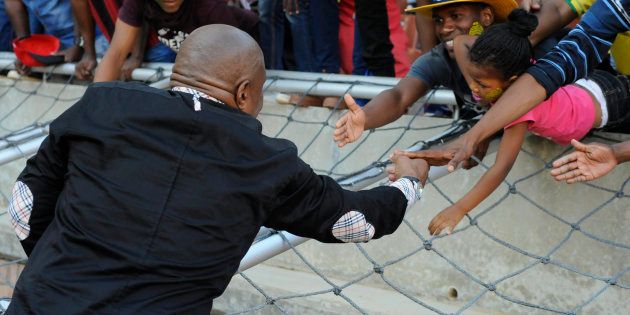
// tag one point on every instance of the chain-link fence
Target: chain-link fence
(534, 246)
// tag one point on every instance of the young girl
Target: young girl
(493, 61)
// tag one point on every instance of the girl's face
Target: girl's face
(487, 84)
(170, 6)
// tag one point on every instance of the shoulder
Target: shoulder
(432, 67)
(124, 87)
(131, 12)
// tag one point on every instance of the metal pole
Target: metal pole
(322, 84)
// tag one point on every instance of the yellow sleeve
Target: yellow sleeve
(580, 6)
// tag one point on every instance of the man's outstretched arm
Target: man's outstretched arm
(317, 207)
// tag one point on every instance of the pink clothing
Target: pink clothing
(568, 114)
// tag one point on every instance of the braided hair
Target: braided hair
(505, 46)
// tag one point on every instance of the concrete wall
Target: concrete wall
(411, 273)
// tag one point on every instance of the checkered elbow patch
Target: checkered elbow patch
(409, 189)
(20, 208)
(352, 227)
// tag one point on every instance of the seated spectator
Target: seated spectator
(173, 20)
(53, 17)
(495, 60)
(105, 14)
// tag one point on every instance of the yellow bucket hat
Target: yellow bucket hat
(502, 8)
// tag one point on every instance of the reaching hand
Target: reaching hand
(588, 162)
(446, 219)
(452, 153)
(84, 69)
(127, 68)
(351, 125)
(480, 153)
(404, 166)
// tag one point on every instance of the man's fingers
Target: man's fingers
(579, 145)
(565, 160)
(564, 168)
(577, 179)
(342, 121)
(352, 105)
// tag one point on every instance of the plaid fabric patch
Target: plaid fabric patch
(353, 228)
(409, 189)
(20, 207)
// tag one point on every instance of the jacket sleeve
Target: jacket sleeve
(317, 207)
(36, 190)
(584, 47)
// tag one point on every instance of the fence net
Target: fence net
(533, 247)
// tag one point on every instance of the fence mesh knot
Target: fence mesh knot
(427, 245)
(336, 290)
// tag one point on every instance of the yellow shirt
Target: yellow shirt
(620, 49)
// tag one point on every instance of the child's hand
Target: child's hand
(446, 219)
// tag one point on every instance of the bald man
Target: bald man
(144, 201)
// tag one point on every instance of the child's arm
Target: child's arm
(461, 46)
(506, 155)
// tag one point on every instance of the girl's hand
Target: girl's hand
(446, 219)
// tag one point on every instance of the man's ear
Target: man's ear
(486, 16)
(243, 95)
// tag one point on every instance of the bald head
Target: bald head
(218, 59)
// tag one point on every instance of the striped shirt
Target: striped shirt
(584, 47)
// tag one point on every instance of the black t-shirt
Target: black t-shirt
(173, 28)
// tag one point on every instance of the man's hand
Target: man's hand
(404, 166)
(588, 162)
(351, 125)
(446, 219)
(452, 153)
(530, 5)
(127, 68)
(84, 69)
(480, 153)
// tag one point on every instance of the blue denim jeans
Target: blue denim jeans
(272, 34)
(325, 33)
(616, 90)
(6, 31)
(159, 53)
(52, 17)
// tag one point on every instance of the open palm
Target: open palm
(350, 126)
(588, 162)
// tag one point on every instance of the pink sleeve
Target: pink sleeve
(527, 117)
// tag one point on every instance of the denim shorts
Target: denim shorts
(616, 90)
